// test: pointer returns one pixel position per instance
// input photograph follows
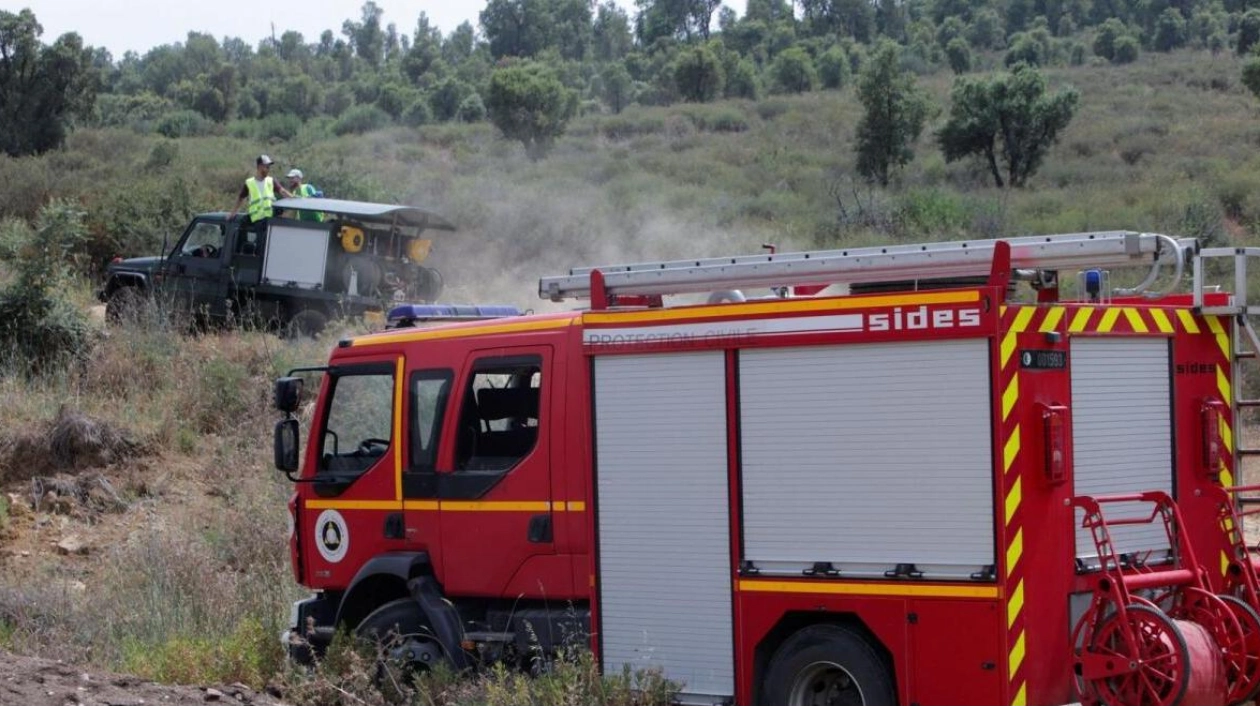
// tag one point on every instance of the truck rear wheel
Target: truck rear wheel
(828, 664)
(402, 638)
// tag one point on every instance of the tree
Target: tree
(527, 102)
(698, 74)
(1170, 31)
(366, 37)
(1248, 31)
(617, 85)
(611, 33)
(1105, 38)
(895, 111)
(833, 68)
(1007, 119)
(793, 71)
(42, 89)
(1251, 75)
(959, 55)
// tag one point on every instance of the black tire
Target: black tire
(828, 664)
(125, 304)
(430, 284)
(400, 634)
(306, 323)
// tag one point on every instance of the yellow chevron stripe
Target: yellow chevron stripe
(1109, 318)
(1227, 477)
(1161, 321)
(1015, 605)
(1227, 436)
(1187, 321)
(1015, 551)
(1224, 564)
(1222, 385)
(1021, 320)
(1081, 319)
(1017, 654)
(1008, 347)
(1010, 396)
(1222, 339)
(1135, 320)
(1053, 317)
(1021, 696)
(1011, 450)
(1013, 497)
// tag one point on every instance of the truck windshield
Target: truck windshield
(359, 425)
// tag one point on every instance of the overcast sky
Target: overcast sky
(140, 25)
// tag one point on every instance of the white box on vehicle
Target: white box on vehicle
(296, 256)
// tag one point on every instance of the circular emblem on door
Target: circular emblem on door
(1028, 358)
(331, 536)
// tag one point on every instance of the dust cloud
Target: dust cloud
(533, 230)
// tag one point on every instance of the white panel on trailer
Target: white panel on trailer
(662, 503)
(296, 255)
(868, 456)
(1121, 433)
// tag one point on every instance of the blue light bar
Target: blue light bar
(406, 315)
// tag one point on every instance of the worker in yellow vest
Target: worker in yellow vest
(302, 189)
(260, 190)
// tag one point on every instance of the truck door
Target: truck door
(495, 498)
(197, 270)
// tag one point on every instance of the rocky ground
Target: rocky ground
(36, 681)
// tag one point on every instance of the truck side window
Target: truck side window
(360, 421)
(499, 414)
(430, 391)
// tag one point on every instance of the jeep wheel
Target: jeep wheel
(307, 323)
(125, 304)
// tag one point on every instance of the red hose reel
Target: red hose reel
(1154, 634)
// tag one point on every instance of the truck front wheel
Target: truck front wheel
(828, 664)
(402, 638)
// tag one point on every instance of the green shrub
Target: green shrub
(471, 110)
(184, 123)
(279, 126)
(418, 113)
(41, 329)
(361, 119)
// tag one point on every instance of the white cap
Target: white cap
(294, 173)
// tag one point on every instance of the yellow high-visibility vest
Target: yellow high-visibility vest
(260, 198)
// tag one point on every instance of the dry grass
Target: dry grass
(351, 675)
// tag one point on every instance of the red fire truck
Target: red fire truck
(939, 480)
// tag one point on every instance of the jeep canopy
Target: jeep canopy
(369, 212)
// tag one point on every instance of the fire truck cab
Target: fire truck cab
(950, 484)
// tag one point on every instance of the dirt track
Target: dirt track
(35, 681)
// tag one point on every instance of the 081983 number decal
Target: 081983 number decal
(1040, 359)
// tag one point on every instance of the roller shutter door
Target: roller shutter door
(1121, 432)
(868, 456)
(663, 516)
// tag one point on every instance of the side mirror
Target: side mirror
(288, 394)
(287, 445)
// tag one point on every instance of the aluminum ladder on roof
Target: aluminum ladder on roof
(1245, 346)
(873, 264)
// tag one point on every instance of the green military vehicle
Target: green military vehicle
(293, 274)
